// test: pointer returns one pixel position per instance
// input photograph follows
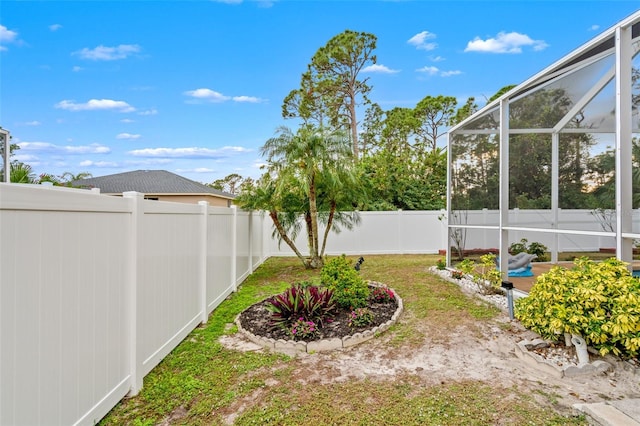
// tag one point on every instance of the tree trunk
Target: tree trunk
(354, 126)
(326, 231)
(274, 217)
(313, 211)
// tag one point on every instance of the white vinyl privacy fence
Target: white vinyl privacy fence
(96, 290)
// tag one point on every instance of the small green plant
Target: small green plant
(485, 274)
(539, 249)
(598, 301)
(312, 302)
(349, 289)
(441, 264)
(360, 317)
(382, 295)
(302, 329)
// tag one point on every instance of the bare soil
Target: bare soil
(478, 351)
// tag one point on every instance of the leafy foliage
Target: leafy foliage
(598, 301)
(536, 248)
(232, 183)
(360, 317)
(485, 274)
(310, 176)
(299, 302)
(349, 289)
(382, 295)
(302, 329)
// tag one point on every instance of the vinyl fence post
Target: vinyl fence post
(234, 247)
(203, 254)
(136, 199)
(250, 242)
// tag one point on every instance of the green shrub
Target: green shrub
(349, 289)
(536, 248)
(598, 301)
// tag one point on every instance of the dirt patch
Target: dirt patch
(466, 354)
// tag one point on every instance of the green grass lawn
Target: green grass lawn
(200, 382)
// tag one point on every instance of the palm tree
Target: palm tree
(299, 166)
(67, 177)
(21, 173)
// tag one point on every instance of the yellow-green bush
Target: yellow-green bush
(599, 301)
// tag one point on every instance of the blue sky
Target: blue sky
(196, 87)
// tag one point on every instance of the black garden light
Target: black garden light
(508, 286)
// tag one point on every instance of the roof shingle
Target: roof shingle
(148, 182)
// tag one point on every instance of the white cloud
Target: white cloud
(504, 43)
(128, 136)
(379, 68)
(420, 41)
(429, 70)
(152, 111)
(148, 162)
(95, 105)
(207, 95)
(67, 149)
(32, 123)
(235, 149)
(196, 170)
(55, 27)
(228, 1)
(25, 158)
(436, 58)
(90, 163)
(106, 53)
(191, 152)
(7, 36)
(127, 120)
(76, 69)
(594, 27)
(436, 71)
(249, 99)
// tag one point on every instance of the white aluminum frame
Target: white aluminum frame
(624, 52)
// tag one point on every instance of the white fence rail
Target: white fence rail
(96, 290)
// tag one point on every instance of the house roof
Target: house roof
(149, 182)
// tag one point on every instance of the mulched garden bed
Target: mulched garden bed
(256, 319)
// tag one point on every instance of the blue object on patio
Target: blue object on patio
(521, 272)
(519, 265)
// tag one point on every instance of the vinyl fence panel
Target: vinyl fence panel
(243, 266)
(220, 257)
(168, 287)
(62, 315)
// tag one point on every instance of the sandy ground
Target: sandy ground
(480, 350)
(484, 352)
